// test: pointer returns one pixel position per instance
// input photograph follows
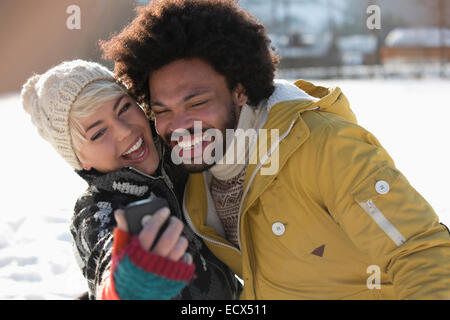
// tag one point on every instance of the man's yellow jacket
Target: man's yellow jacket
(337, 220)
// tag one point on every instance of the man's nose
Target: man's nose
(180, 121)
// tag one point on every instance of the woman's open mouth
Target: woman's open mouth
(137, 152)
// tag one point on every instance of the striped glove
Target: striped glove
(138, 274)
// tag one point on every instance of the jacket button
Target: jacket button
(278, 228)
(382, 187)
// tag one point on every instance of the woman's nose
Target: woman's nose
(122, 129)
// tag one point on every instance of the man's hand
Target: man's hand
(171, 244)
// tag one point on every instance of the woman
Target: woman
(105, 136)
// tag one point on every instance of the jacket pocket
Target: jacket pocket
(284, 224)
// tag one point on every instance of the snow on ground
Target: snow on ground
(38, 189)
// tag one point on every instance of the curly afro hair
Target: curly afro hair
(232, 41)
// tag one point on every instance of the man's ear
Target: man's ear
(239, 95)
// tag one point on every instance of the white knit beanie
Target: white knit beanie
(49, 97)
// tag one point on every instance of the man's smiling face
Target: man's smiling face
(189, 90)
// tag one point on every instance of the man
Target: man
(322, 213)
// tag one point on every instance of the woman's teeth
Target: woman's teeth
(137, 145)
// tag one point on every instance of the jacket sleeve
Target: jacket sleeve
(381, 212)
(91, 230)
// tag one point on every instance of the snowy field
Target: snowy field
(38, 189)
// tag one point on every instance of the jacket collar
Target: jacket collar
(330, 99)
(286, 117)
(285, 132)
(125, 180)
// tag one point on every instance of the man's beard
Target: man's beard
(229, 123)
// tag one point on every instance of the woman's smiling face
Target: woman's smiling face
(118, 135)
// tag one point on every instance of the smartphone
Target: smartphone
(136, 214)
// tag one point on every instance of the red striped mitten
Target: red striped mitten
(138, 274)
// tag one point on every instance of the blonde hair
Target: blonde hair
(90, 99)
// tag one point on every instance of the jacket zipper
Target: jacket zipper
(144, 174)
(254, 174)
(189, 221)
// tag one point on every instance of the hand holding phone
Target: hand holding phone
(137, 214)
(149, 220)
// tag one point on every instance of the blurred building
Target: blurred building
(358, 49)
(416, 45)
(34, 35)
(309, 50)
(306, 33)
(334, 33)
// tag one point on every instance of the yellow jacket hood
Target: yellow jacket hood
(330, 99)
